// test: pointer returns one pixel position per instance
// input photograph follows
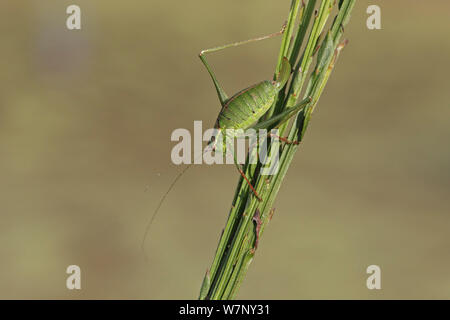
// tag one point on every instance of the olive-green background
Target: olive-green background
(85, 124)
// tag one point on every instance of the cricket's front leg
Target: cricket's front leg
(220, 91)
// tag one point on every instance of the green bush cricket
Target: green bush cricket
(244, 109)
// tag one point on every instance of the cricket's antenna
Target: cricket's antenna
(160, 203)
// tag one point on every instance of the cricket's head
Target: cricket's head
(212, 143)
(283, 75)
(217, 143)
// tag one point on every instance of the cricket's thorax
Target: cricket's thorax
(247, 106)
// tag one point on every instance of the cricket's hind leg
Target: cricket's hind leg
(220, 92)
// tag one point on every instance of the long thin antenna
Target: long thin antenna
(160, 203)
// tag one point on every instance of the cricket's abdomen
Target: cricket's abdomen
(247, 106)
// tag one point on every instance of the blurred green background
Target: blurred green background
(85, 124)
